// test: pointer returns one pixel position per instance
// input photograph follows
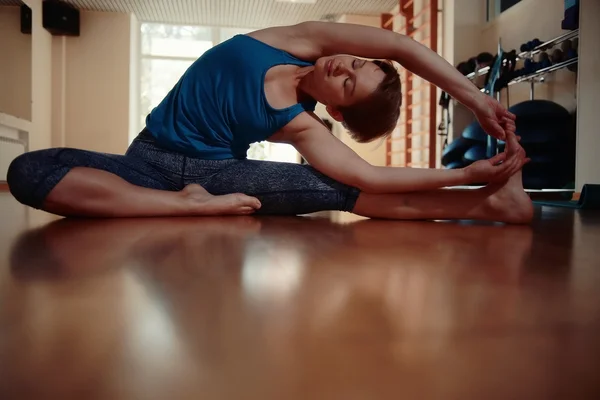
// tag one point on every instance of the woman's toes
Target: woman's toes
(247, 201)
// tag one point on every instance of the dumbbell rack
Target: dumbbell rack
(532, 78)
(537, 76)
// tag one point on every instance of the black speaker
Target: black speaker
(25, 20)
(60, 19)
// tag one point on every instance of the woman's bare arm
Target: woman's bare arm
(314, 39)
(332, 157)
(311, 40)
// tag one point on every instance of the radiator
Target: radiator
(9, 150)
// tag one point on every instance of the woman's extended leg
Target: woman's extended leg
(299, 189)
(503, 203)
(73, 182)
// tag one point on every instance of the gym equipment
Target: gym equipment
(571, 20)
(548, 137)
(475, 153)
(508, 70)
(530, 66)
(472, 64)
(569, 52)
(475, 132)
(485, 59)
(532, 44)
(535, 43)
(544, 60)
(546, 129)
(557, 56)
(462, 68)
(588, 200)
(455, 150)
(540, 111)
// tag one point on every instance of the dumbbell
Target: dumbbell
(572, 53)
(568, 50)
(557, 56)
(530, 45)
(530, 66)
(566, 46)
(544, 60)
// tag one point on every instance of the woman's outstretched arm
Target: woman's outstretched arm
(371, 42)
(311, 40)
(332, 157)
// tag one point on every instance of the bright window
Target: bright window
(167, 51)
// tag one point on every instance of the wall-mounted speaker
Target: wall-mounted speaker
(25, 20)
(60, 19)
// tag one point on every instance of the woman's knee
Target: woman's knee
(28, 173)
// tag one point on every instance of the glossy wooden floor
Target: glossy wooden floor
(298, 308)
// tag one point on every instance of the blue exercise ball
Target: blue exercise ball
(455, 150)
(475, 132)
(475, 153)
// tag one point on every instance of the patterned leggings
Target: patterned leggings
(282, 188)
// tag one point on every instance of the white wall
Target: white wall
(134, 77)
(15, 67)
(59, 82)
(588, 139)
(40, 136)
(98, 83)
(81, 90)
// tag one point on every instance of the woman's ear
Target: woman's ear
(334, 112)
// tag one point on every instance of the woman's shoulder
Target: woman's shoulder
(288, 39)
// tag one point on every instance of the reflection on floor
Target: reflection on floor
(298, 308)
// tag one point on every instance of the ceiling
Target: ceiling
(233, 13)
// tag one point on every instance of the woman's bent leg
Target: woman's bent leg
(95, 193)
(282, 188)
(73, 182)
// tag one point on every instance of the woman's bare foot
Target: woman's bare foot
(204, 203)
(508, 202)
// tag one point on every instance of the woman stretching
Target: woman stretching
(191, 157)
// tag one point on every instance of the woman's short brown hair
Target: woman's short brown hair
(378, 114)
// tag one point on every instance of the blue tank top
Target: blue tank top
(219, 107)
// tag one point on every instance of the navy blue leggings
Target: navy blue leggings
(282, 188)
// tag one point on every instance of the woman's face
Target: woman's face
(343, 80)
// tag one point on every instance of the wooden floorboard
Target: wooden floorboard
(299, 308)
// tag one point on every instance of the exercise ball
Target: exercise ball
(475, 132)
(475, 153)
(539, 111)
(455, 150)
